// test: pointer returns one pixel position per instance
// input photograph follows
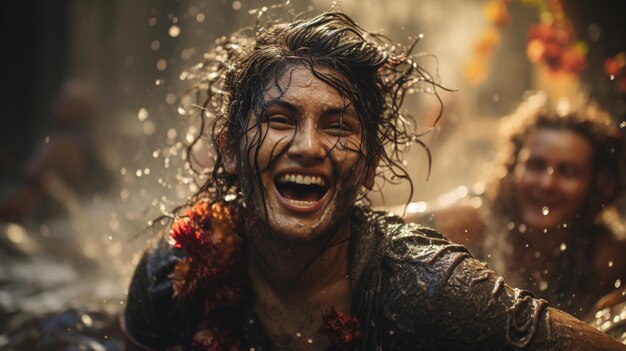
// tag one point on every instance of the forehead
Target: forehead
(559, 145)
(300, 85)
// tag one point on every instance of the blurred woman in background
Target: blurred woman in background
(549, 222)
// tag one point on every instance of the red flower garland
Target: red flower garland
(341, 329)
(212, 274)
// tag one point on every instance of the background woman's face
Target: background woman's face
(552, 177)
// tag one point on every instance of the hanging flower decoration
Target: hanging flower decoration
(551, 42)
(497, 14)
(341, 329)
(615, 68)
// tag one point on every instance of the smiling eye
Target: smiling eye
(280, 121)
(535, 165)
(338, 129)
(569, 171)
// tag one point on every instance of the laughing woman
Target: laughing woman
(549, 223)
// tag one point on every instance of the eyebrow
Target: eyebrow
(282, 103)
(329, 111)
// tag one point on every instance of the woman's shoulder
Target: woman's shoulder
(153, 318)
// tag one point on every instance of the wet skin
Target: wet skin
(552, 177)
(310, 172)
(319, 132)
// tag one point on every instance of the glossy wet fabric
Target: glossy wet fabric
(412, 290)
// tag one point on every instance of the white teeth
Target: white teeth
(299, 203)
(300, 179)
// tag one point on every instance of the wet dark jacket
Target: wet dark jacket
(412, 290)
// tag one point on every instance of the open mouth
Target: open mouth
(301, 191)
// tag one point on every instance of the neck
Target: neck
(293, 269)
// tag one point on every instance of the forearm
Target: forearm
(560, 331)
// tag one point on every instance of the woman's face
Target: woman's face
(552, 177)
(307, 156)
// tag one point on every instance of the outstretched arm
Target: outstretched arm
(444, 298)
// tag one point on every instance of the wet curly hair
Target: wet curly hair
(585, 118)
(376, 76)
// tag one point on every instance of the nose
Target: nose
(548, 179)
(306, 146)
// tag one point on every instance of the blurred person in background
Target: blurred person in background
(549, 221)
(65, 166)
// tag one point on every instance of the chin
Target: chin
(539, 222)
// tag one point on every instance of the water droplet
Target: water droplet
(461, 191)
(171, 133)
(152, 21)
(622, 125)
(170, 98)
(310, 341)
(174, 31)
(618, 283)
(545, 210)
(200, 17)
(416, 207)
(522, 228)
(161, 64)
(86, 319)
(610, 264)
(149, 128)
(543, 286)
(298, 334)
(139, 173)
(476, 202)
(123, 171)
(236, 5)
(563, 247)
(612, 77)
(47, 139)
(155, 45)
(142, 115)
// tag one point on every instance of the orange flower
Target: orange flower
(497, 12)
(616, 67)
